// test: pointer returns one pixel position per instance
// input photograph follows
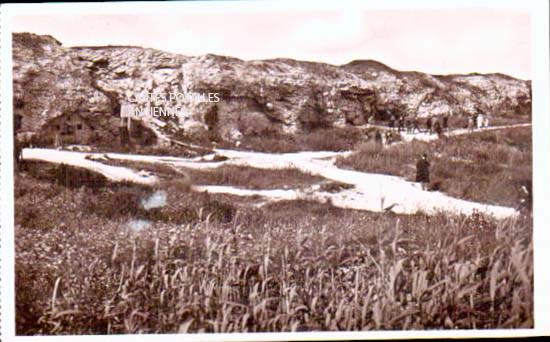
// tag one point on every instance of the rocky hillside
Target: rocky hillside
(256, 97)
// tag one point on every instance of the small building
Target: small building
(70, 129)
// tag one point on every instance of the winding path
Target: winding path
(372, 192)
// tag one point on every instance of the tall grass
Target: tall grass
(290, 266)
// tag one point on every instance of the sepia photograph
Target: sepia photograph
(228, 168)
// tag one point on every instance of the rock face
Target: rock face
(255, 97)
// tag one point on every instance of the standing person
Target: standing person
(486, 121)
(392, 122)
(429, 124)
(479, 120)
(445, 122)
(400, 123)
(423, 171)
(377, 137)
(407, 124)
(471, 121)
(416, 128)
(437, 128)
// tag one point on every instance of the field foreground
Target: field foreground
(100, 267)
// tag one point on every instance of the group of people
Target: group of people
(412, 124)
(478, 121)
(433, 125)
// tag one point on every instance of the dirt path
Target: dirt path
(407, 137)
(373, 192)
(81, 159)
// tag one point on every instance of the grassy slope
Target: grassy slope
(484, 167)
(288, 266)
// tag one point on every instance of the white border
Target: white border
(539, 10)
(541, 162)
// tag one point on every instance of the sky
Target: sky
(437, 41)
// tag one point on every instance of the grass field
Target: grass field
(209, 264)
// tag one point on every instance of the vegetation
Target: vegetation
(92, 259)
(488, 166)
(320, 139)
(289, 266)
(231, 175)
(252, 178)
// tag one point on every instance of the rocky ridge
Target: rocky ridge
(256, 97)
